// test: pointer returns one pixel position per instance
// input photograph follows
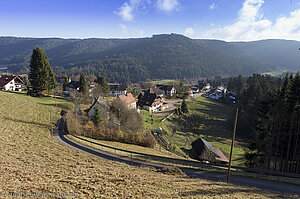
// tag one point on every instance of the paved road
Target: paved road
(60, 137)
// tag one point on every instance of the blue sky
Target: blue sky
(230, 20)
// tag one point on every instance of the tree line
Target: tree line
(270, 119)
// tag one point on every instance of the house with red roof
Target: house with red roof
(128, 100)
(11, 83)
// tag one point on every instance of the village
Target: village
(157, 99)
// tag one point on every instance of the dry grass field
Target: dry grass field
(32, 162)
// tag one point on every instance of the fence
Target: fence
(185, 162)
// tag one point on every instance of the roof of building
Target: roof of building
(100, 101)
(155, 90)
(127, 99)
(118, 87)
(5, 79)
(199, 144)
(73, 84)
(165, 87)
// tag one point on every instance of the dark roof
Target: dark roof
(200, 146)
(5, 79)
(165, 87)
(121, 87)
(73, 84)
(101, 101)
(155, 90)
(146, 98)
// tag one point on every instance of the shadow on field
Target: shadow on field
(219, 190)
(61, 106)
(28, 122)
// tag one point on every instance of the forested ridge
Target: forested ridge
(161, 56)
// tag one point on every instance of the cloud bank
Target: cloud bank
(251, 24)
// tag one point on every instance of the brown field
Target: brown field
(32, 162)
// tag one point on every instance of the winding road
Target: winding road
(60, 137)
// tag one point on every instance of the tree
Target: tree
(184, 107)
(101, 80)
(97, 117)
(26, 82)
(66, 81)
(83, 84)
(41, 76)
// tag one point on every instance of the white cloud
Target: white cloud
(251, 24)
(126, 11)
(167, 5)
(189, 32)
(212, 6)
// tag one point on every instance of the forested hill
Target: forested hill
(161, 56)
(282, 53)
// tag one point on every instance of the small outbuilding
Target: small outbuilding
(206, 152)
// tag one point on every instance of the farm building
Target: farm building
(205, 151)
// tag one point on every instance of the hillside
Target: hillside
(161, 56)
(31, 161)
(283, 53)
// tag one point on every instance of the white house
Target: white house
(11, 83)
(102, 105)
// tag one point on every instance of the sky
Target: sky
(229, 20)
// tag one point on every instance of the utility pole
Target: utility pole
(232, 142)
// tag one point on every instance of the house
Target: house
(152, 100)
(195, 89)
(205, 151)
(61, 80)
(118, 89)
(128, 100)
(203, 85)
(11, 83)
(102, 105)
(169, 90)
(74, 85)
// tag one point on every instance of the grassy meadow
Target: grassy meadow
(33, 162)
(208, 119)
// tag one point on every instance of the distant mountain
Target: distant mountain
(161, 56)
(282, 53)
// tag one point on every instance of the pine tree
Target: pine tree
(101, 80)
(97, 117)
(83, 84)
(41, 76)
(66, 81)
(26, 82)
(184, 107)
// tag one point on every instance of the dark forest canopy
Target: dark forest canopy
(161, 56)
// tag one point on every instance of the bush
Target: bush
(80, 125)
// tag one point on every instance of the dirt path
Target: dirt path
(60, 137)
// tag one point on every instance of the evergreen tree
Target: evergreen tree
(83, 84)
(26, 82)
(184, 107)
(41, 76)
(66, 81)
(97, 117)
(101, 80)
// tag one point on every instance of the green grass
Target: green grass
(164, 81)
(210, 120)
(32, 161)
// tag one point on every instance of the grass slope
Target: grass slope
(31, 161)
(210, 120)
